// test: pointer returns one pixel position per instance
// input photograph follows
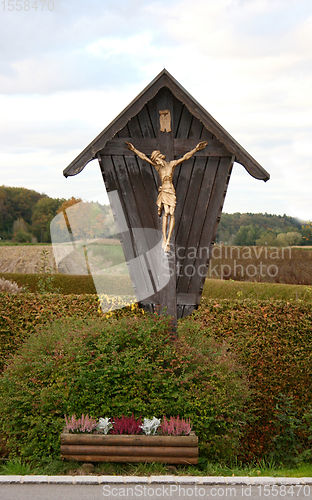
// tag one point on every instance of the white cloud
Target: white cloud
(64, 75)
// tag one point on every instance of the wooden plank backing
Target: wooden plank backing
(200, 185)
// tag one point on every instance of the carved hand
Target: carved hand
(129, 146)
(201, 145)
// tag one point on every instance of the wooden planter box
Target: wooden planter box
(130, 448)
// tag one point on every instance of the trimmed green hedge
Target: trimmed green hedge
(20, 315)
(273, 340)
(66, 283)
(113, 367)
(69, 284)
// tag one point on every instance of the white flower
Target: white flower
(150, 426)
(104, 425)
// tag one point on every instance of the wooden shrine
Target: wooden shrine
(165, 118)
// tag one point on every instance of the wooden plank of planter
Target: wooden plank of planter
(129, 440)
(143, 459)
(137, 451)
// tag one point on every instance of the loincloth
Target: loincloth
(166, 197)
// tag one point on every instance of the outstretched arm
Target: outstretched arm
(138, 153)
(187, 156)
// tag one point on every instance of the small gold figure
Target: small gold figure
(166, 199)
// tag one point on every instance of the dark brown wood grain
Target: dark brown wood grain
(137, 184)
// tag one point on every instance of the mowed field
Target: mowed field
(291, 265)
(29, 259)
(25, 258)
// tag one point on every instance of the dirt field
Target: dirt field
(102, 254)
(294, 266)
(24, 259)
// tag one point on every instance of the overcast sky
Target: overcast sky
(69, 67)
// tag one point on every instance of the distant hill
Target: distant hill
(231, 224)
(25, 215)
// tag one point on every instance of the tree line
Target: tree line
(25, 216)
(263, 229)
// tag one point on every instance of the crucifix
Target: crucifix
(166, 199)
(163, 127)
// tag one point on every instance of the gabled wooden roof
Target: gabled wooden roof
(164, 79)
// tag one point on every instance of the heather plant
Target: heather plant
(126, 425)
(175, 426)
(83, 424)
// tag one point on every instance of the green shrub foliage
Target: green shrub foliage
(20, 315)
(273, 341)
(118, 367)
(66, 284)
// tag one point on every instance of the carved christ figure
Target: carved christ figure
(166, 199)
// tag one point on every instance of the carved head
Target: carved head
(157, 157)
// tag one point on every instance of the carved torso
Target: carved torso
(166, 174)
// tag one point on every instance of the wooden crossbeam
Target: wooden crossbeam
(147, 146)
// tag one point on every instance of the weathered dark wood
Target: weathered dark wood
(167, 296)
(123, 132)
(187, 299)
(200, 184)
(164, 79)
(177, 110)
(145, 123)
(201, 202)
(195, 239)
(191, 211)
(115, 179)
(180, 147)
(208, 229)
(193, 181)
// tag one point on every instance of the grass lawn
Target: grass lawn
(59, 467)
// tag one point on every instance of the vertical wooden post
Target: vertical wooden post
(167, 296)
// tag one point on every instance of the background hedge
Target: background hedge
(273, 340)
(66, 283)
(21, 313)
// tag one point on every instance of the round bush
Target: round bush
(109, 368)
